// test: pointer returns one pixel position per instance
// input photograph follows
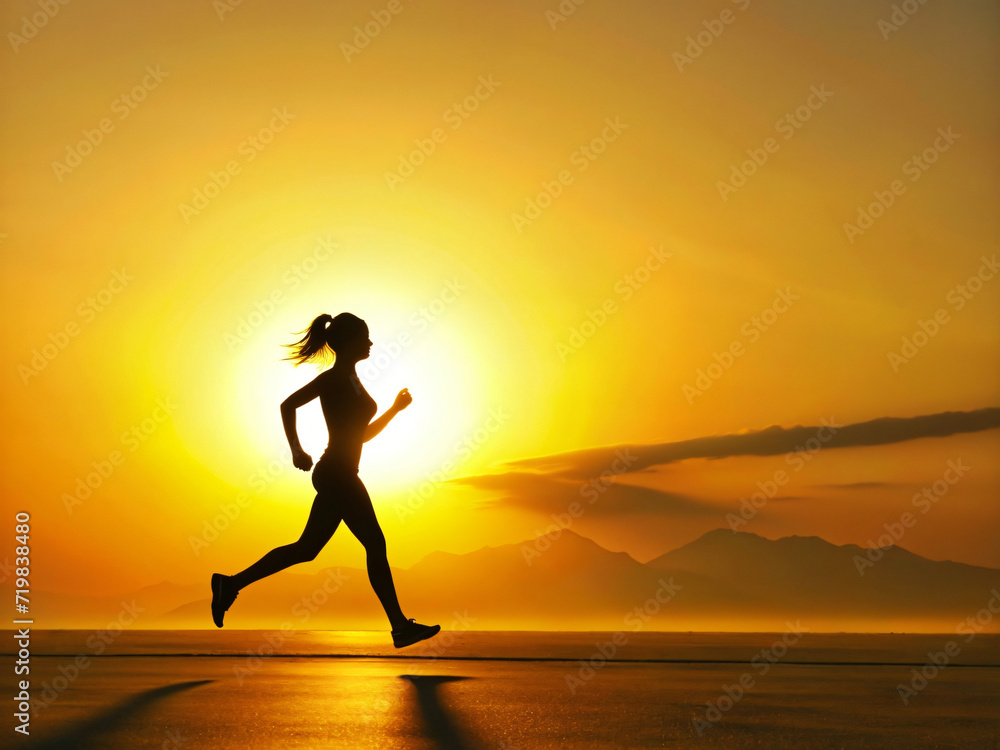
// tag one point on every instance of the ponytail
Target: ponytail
(323, 337)
(313, 345)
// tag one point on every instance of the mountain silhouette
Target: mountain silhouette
(798, 574)
(722, 581)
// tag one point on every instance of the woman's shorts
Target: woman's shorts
(329, 476)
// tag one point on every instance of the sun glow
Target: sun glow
(417, 442)
(423, 316)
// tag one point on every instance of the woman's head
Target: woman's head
(345, 335)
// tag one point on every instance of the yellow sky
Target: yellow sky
(248, 176)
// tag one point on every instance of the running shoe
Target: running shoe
(223, 596)
(412, 632)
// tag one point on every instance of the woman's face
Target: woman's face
(367, 344)
(359, 347)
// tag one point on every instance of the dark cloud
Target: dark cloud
(771, 441)
(551, 484)
(862, 486)
(545, 494)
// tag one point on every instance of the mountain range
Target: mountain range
(722, 581)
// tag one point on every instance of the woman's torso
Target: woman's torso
(347, 409)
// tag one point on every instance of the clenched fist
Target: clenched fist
(302, 460)
(403, 399)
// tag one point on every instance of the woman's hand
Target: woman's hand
(403, 399)
(301, 459)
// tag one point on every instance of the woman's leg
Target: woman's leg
(324, 518)
(359, 516)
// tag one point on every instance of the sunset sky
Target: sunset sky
(257, 164)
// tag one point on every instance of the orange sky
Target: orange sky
(248, 175)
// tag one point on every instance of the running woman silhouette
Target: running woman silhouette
(340, 494)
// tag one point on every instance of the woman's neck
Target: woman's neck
(344, 369)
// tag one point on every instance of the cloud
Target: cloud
(771, 441)
(862, 486)
(591, 477)
(545, 494)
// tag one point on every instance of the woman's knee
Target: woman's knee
(374, 544)
(304, 552)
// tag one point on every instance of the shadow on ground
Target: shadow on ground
(439, 726)
(90, 731)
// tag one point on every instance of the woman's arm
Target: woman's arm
(403, 399)
(304, 395)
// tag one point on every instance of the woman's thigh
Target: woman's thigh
(349, 496)
(324, 518)
(325, 515)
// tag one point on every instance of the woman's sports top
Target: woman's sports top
(348, 409)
